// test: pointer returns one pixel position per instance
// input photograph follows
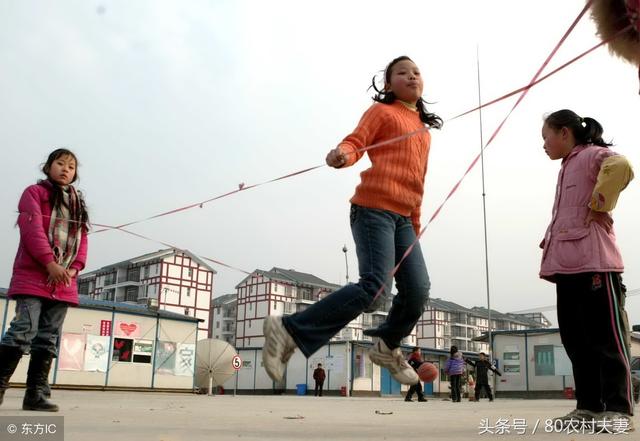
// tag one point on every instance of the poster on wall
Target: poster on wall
(105, 327)
(142, 351)
(185, 359)
(71, 356)
(96, 354)
(511, 360)
(122, 349)
(127, 329)
(165, 357)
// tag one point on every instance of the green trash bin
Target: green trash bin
(301, 389)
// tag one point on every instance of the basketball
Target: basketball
(427, 372)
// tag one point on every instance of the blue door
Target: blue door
(388, 385)
(428, 388)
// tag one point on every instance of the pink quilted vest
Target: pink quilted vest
(570, 247)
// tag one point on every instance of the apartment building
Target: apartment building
(170, 280)
(445, 323)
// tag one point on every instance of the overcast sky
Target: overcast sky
(171, 103)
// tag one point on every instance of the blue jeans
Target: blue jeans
(381, 239)
(37, 324)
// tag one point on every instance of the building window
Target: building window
(188, 292)
(190, 272)
(217, 325)
(131, 294)
(545, 363)
(287, 291)
(146, 272)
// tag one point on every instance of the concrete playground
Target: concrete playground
(142, 416)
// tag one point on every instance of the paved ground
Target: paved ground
(123, 416)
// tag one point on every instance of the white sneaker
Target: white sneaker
(578, 418)
(614, 422)
(394, 361)
(278, 348)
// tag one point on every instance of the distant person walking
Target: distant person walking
(319, 375)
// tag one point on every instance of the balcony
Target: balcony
(129, 279)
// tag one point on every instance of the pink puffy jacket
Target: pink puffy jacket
(34, 252)
(570, 247)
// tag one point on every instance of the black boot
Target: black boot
(9, 358)
(37, 381)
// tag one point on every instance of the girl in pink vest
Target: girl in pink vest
(53, 224)
(581, 257)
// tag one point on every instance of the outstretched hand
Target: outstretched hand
(336, 158)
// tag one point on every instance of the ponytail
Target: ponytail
(585, 130)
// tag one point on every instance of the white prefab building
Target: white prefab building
(282, 292)
(171, 280)
(534, 363)
(348, 368)
(115, 345)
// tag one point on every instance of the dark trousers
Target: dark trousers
(595, 333)
(487, 390)
(319, 385)
(455, 387)
(417, 388)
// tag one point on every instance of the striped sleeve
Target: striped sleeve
(364, 134)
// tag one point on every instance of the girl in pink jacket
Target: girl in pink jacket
(581, 257)
(53, 224)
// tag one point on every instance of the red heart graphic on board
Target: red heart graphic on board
(118, 344)
(128, 328)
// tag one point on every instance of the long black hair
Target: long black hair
(387, 97)
(56, 195)
(585, 130)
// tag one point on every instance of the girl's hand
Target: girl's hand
(72, 272)
(57, 274)
(335, 158)
(602, 218)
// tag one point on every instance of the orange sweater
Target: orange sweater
(395, 180)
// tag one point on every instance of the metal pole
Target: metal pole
(348, 363)
(346, 263)
(484, 210)
(235, 387)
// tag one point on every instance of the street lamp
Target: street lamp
(346, 263)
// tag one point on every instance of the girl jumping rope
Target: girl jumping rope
(385, 218)
(53, 224)
(581, 257)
